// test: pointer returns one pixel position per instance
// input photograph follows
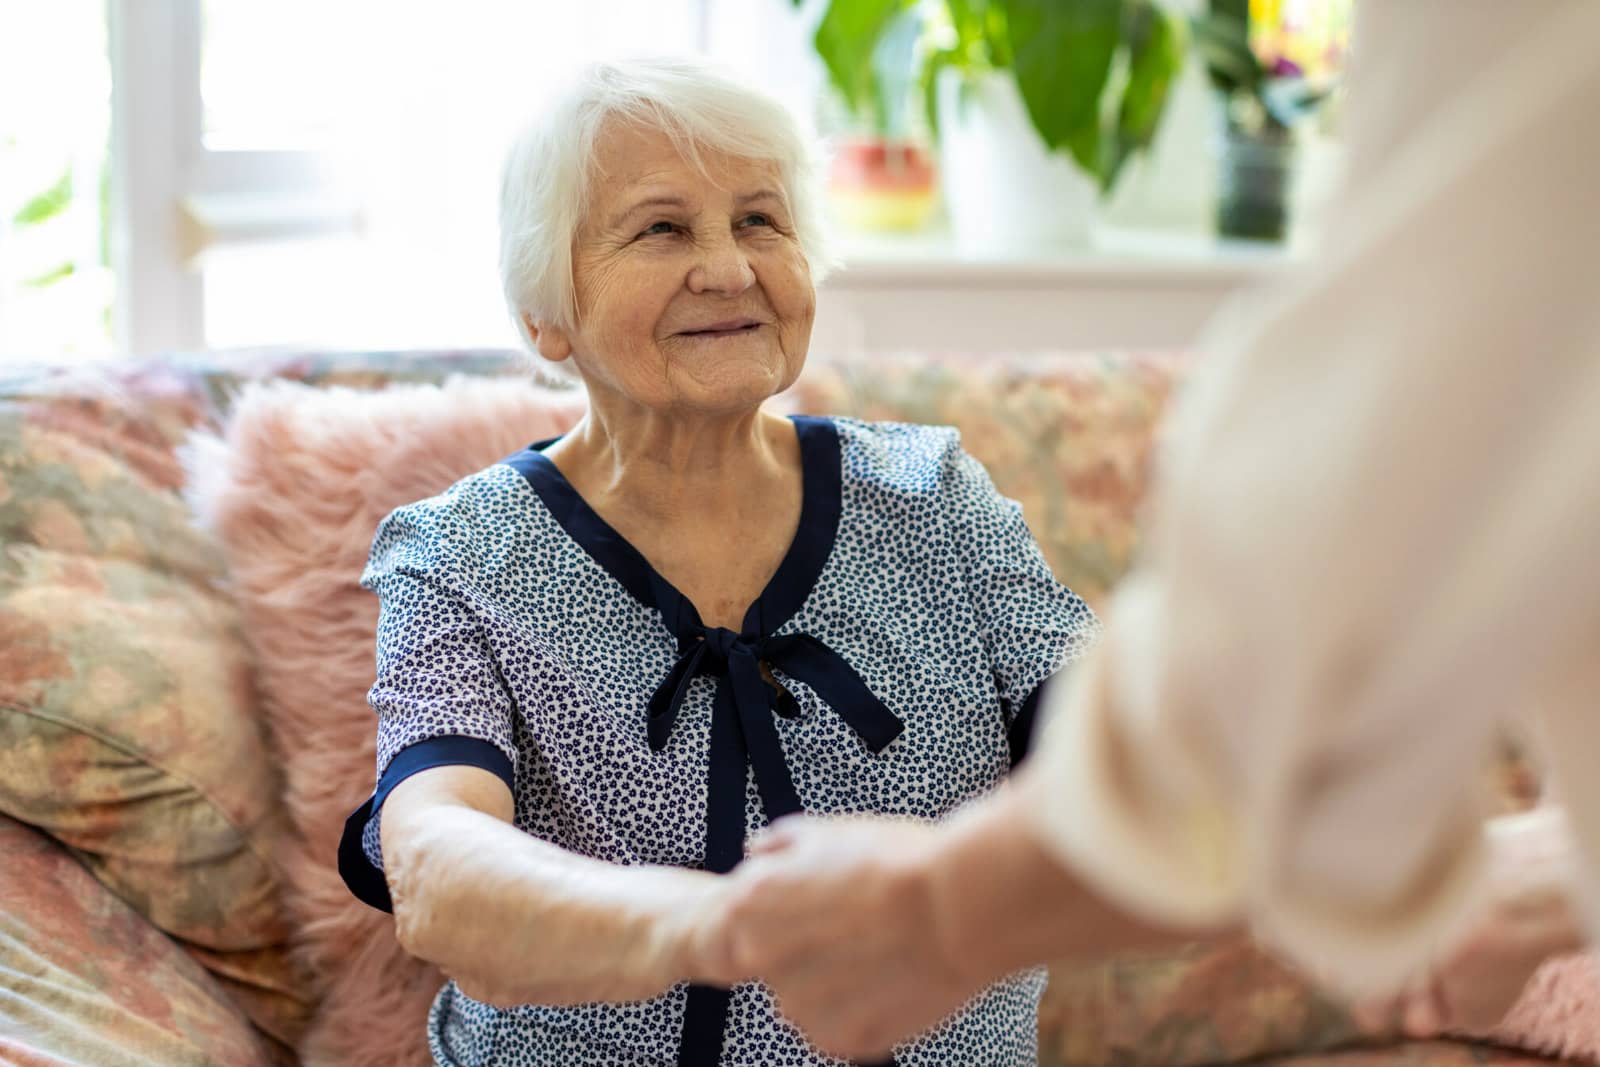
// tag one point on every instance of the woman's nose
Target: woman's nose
(721, 267)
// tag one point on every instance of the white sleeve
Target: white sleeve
(1376, 522)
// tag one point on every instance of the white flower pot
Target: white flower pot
(1003, 190)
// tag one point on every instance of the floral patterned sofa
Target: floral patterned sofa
(142, 916)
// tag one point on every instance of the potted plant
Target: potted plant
(882, 175)
(1037, 104)
(1270, 73)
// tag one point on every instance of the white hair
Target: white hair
(544, 187)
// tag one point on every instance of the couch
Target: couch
(155, 901)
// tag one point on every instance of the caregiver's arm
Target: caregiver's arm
(1376, 525)
(517, 920)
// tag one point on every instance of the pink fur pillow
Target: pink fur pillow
(294, 491)
(1558, 1013)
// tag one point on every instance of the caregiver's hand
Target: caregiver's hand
(872, 930)
(843, 919)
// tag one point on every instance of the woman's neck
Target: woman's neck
(667, 466)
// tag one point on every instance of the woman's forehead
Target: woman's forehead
(634, 162)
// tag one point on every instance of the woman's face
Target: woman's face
(692, 295)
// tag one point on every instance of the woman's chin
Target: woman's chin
(731, 376)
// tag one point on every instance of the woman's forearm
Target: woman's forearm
(514, 919)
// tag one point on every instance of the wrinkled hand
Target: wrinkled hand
(840, 917)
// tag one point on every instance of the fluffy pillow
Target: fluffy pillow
(1558, 1013)
(294, 491)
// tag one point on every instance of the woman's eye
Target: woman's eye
(656, 228)
(756, 218)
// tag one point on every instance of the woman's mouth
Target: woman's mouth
(727, 328)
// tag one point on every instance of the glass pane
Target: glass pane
(414, 103)
(55, 119)
(270, 74)
(306, 74)
(351, 292)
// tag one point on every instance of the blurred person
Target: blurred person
(1373, 543)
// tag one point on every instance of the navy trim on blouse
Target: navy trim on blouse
(365, 880)
(743, 734)
(791, 583)
(1020, 736)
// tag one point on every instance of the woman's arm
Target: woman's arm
(516, 920)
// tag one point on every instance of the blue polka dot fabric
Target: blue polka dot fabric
(519, 633)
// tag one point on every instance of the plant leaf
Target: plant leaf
(845, 39)
(1288, 100)
(1157, 44)
(932, 65)
(53, 201)
(1223, 41)
(1233, 9)
(50, 277)
(967, 18)
(894, 69)
(1061, 55)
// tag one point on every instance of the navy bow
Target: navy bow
(743, 733)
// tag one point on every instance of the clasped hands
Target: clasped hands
(849, 924)
(844, 919)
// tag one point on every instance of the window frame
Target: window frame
(173, 197)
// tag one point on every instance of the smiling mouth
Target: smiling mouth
(723, 330)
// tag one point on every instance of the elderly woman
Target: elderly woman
(605, 660)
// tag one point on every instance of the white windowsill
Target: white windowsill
(1129, 289)
(1114, 257)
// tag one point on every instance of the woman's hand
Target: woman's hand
(841, 919)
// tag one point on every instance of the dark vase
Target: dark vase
(1254, 185)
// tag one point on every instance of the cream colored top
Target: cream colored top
(1377, 532)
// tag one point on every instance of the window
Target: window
(55, 113)
(353, 202)
(182, 174)
(297, 172)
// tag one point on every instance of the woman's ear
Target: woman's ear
(549, 340)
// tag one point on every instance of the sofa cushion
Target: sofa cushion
(1069, 436)
(90, 982)
(127, 722)
(294, 493)
(1415, 1054)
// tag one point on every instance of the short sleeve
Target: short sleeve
(439, 696)
(1032, 625)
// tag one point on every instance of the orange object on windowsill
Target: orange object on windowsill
(879, 184)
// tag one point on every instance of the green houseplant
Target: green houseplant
(1091, 78)
(883, 174)
(1093, 74)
